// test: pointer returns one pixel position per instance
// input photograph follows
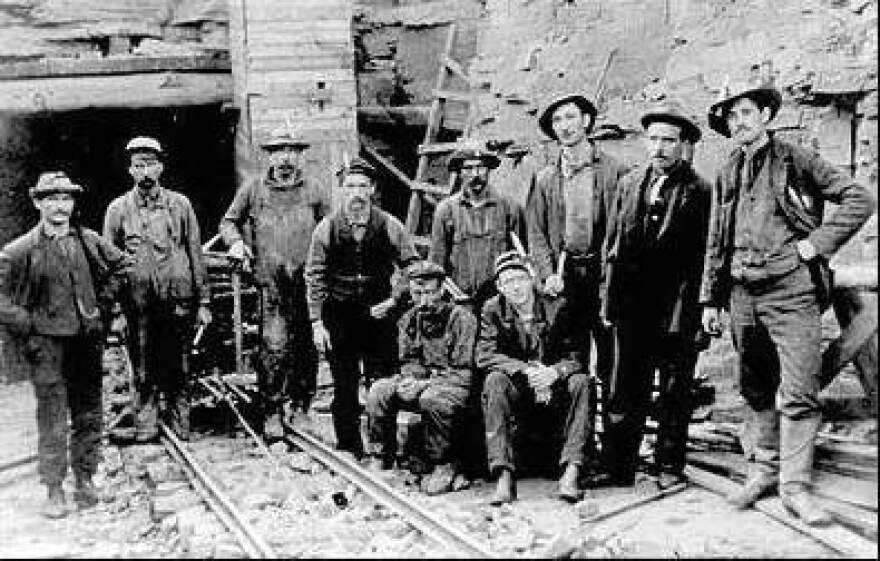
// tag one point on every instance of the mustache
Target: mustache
(146, 182)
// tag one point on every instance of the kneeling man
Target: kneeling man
(536, 374)
(436, 345)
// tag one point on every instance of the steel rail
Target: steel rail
(378, 490)
(635, 502)
(18, 462)
(219, 503)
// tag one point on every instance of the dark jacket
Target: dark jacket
(504, 343)
(33, 301)
(275, 222)
(439, 347)
(801, 181)
(341, 269)
(545, 209)
(665, 266)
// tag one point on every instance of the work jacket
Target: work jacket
(438, 346)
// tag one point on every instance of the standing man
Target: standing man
(767, 259)
(353, 254)
(472, 227)
(566, 213)
(277, 215)
(57, 283)
(654, 250)
(158, 229)
(436, 349)
(536, 374)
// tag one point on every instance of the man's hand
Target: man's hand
(541, 377)
(553, 285)
(320, 336)
(380, 310)
(408, 389)
(712, 321)
(203, 315)
(806, 250)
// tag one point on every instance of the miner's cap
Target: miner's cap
(473, 150)
(509, 260)
(144, 144)
(285, 136)
(360, 166)
(673, 112)
(425, 270)
(52, 182)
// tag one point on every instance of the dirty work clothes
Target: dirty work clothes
(160, 232)
(345, 275)
(67, 382)
(276, 221)
(159, 341)
(466, 238)
(437, 346)
(654, 251)
(505, 347)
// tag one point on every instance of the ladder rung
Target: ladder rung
(465, 97)
(437, 148)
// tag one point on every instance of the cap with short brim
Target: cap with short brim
(53, 182)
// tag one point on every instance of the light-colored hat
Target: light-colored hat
(285, 136)
(425, 269)
(144, 144)
(671, 111)
(52, 182)
(473, 149)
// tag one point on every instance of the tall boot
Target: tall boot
(759, 442)
(85, 494)
(797, 443)
(55, 505)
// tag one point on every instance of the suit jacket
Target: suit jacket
(801, 181)
(545, 209)
(666, 268)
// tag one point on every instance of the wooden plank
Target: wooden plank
(261, 63)
(263, 81)
(305, 10)
(457, 69)
(280, 26)
(115, 90)
(463, 97)
(302, 43)
(437, 148)
(60, 67)
(401, 177)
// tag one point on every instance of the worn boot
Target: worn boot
(381, 462)
(440, 480)
(759, 484)
(505, 488)
(179, 417)
(55, 505)
(568, 488)
(85, 495)
(273, 430)
(798, 499)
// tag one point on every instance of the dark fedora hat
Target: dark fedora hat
(673, 112)
(545, 121)
(765, 95)
(472, 149)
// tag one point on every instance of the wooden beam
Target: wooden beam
(60, 67)
(437, 148)
(464, 97)
(458, 70)
(115, 90)
(395, 171)
(405, 115)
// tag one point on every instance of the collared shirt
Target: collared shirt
(579, 180)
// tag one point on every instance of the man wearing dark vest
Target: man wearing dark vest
(270, 222)
(767, 259)
(353, 254)
(57, 284)
(166, 295)
(654, 249)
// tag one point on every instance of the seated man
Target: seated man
(535, 366)
(436, 346)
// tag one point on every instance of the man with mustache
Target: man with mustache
(157, 227)
(275, 215)
(436, 350)
(653, 252)
(472, 227)
(536, 376)
(566, 213)
(767, 259)
(352, 256)
(57, 284)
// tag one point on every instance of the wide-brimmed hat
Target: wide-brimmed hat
(764, 94)
(285, 136)
(672, 111)
(545, 121)
(144, 144)
(473, 149)
(52, 182)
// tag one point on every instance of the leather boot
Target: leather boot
(758, 484)
(85, 495)
(505, 489)
(55, 505)
(272, 428)
(568, 488)
(440, 480)
(796, 497)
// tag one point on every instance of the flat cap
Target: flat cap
(425, 269)
(545, 121)
(285, 136)
(360, 166)
(52, 182)
(473, 149)
(510, 260)
(144, 143)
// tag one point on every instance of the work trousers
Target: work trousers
(777, 332)
(642, 350)
(509, 408)
(159, 343)
(355, 338)
(67, 381)
(442, 407)
(288, 364)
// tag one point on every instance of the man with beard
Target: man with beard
(654, 249)
(767, 258)
(472, 227)
(353, 254)
(436, 350)
(158, 229)
(56, 283)
(535, 366)
(278, 214)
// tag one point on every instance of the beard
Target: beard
(146, 183)
(358, 210)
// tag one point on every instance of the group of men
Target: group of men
(636, 264)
